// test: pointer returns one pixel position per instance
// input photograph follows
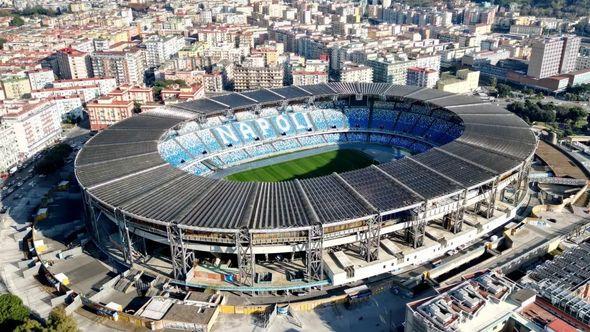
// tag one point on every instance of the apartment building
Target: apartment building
(552, 56)
(73, 64)
(9, 152)
(253, 74)
(162, 48)
(352, 72)
(40, 78)
(35, 125)
(126, 66)
(15, 87)
(423, 77)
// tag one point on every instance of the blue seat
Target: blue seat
(311, 140)
(173, 153)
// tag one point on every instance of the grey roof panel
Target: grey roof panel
(99, 153)
(401, 90)
(291, 92)
(506, 120)
(457, 169)
(319, 89)
(149, 122)
(278, 205)
(119, 192)
(234, 100)
(167, 201)
(331, 200)
(478, 109)
(204, 106)
(425, 182)
(427, 94)
(263, 96)
(113, 136)
(98, 173)
(225, 206)
(497, 162)
(456, 100)
(379, 190)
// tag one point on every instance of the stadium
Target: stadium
(299, 188)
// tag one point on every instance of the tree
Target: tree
(59, 321)
(159, 85)
(16, 21)
(54, 159)
(136, 107)
(30, 325)
(504, 90)
(493, 82)
(12, 312)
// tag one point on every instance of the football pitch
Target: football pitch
(307, 167)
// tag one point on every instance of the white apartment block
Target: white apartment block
(35, 126)
(423, 77)
(571, 48)
(256, 77)
(127, 67)
(73, 64)
(40, 78)
(395, 70)
(9, 153)
(309, 77)
(69, 106)
(162, 48)
(87, 93)
(356, 73)
(227, 52)
(105, 85)
(213, 82)
(552, 56)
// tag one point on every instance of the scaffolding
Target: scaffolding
(416, 232)
(91, 214)
(315, 244)
(487, 206)
(522, 181)
(126, 243)
(245, 257)
(454, 221)
(371, 239)
(181, 257)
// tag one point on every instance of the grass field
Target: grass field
(307, 167)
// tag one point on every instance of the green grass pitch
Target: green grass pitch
(307, 167)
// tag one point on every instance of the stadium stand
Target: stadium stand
(192, 143)
(173, 153)
(284, 145)
(260, 150)
(357, 117)
(311, 140)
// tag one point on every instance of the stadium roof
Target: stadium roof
(122, 169)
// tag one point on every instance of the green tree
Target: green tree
(504, 90)
(493, 82)
(16, 21)
(136, 107)
(12, 312)
(30, 325)
(159, 85)
(54, 159)
(59, 321)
